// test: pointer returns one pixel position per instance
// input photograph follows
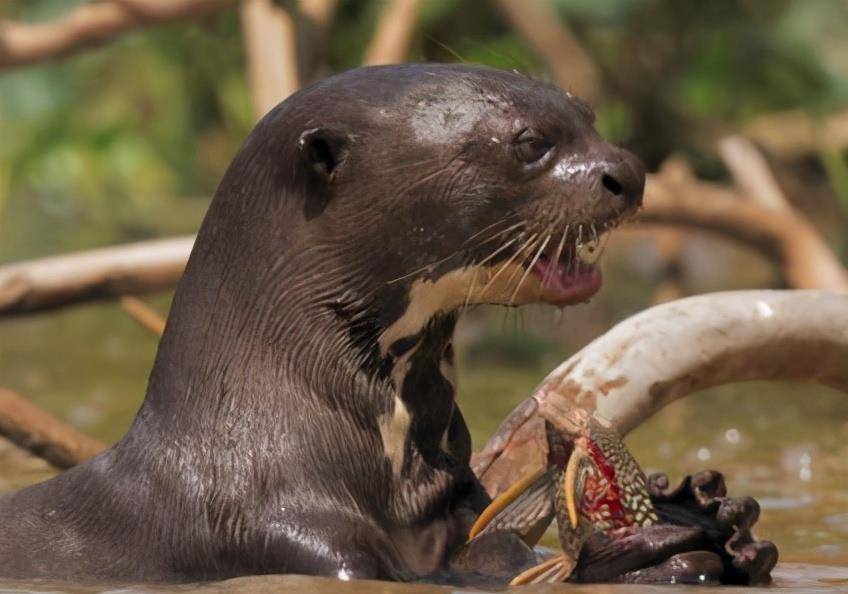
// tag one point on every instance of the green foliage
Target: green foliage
(99, 145)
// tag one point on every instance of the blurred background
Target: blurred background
(729, 102)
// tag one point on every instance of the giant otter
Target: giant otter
(300, 416)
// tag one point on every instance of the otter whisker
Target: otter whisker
(464, 245)
(555, 261)
(497, 251)
(530, 267)
(482, 262)
(520, 269)
(470, 290)
(506, 264)
(487, 227)
(500, 233)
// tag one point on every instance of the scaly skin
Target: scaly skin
(592, 484)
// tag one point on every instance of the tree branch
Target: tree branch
(91, 25)
(143, 314)
(319, 12)
(42, 434)
(673, 350)
(793, 133)
(48, 283)
(675, 197)
(672, 197)
(270, 42)
(751, 172)
(541, 27)
(390, 42)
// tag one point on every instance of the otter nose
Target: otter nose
(624, 178)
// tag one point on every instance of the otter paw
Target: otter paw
(701, 500)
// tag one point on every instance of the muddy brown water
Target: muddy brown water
(785, 444)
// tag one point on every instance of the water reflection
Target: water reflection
(788, 578)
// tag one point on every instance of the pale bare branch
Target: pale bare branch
(90, 25)
(751, 172)
(797, 132)
(390, 42)
(679, 348)
(320, 12)
(142, 313)
(786, 237)
(668, 352)
(48, 283)
(550, 36)
(270, 42)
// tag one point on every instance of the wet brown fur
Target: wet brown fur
(257, 448)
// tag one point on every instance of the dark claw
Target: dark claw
(701, 500)
(752, 559)
(708, 485)
(739, 513)
(704, 538)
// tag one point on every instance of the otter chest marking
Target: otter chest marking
(423, 405)
(394, 427)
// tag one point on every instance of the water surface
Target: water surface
(785, 444)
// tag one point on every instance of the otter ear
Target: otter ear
(323, 150)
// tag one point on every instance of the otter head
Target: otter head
(374, 204)
(436, 186)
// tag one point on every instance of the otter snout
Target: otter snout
(623, 178)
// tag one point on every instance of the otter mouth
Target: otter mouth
(571, 275)
(567, 270)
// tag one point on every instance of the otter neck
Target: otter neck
(277, 350)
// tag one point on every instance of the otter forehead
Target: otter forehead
(443, 103)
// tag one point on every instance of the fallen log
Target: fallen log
(670, 351)
(105, 273)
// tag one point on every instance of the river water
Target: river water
(785, 444)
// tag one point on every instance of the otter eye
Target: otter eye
(530, 146)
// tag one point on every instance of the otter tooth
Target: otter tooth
(589, 252)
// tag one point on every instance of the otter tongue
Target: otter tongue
(564, 272)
